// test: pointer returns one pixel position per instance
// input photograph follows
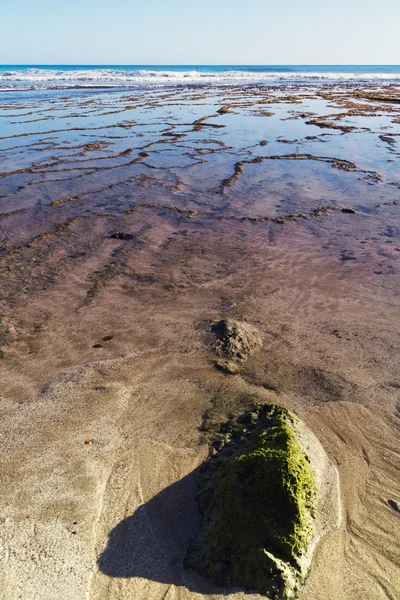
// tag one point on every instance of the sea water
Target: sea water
(19, 77)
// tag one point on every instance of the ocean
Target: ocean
(21, 77)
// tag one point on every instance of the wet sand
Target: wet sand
(128, 222)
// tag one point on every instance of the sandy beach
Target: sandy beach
(129, 222)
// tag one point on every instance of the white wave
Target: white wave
(34, 77)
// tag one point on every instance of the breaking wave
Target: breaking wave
(75, 77)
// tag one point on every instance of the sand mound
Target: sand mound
(235, 343)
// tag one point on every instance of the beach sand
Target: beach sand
(108, 364)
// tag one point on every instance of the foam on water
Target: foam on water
(69, 76)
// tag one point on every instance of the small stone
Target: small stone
(88, 442)
(395, 505)
(122, 235)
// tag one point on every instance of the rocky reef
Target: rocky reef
(257, 494)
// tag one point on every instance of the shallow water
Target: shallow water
(190, 151)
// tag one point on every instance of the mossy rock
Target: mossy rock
(257, 494)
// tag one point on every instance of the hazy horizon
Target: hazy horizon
(161, 64)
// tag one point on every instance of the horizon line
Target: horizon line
(86, 64)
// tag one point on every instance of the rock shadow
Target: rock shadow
(152, 543)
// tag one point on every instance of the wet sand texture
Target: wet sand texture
(129, 224)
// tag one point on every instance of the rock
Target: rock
(122, 235)
(257, 495)
(349, 211)
(395, 505)
(235, 340)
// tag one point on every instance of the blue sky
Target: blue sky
(200, 32)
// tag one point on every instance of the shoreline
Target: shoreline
(209, 86)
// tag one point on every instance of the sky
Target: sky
(200, 32)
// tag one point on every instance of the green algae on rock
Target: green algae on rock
(257, 495)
